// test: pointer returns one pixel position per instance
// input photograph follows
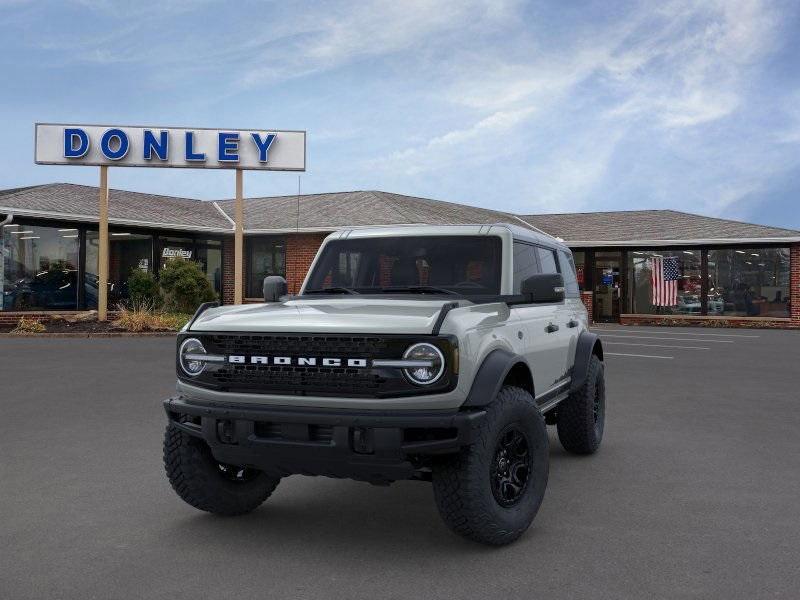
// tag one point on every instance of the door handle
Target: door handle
(551, 328)
(572, 323)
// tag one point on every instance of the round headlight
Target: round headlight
(433, 361)
(187, 355)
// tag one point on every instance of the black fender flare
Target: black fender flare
(588, 343)
(490, 376)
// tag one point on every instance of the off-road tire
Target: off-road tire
(462, 483)
(581, 417)
(200, 481)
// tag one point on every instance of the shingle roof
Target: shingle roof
(649, 225)
(80, 202)
(361, 208)
(327, 212)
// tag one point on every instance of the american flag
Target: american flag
(664, 277)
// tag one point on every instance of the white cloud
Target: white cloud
(374, 28)
(475, 144)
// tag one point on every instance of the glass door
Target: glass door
(607, 285)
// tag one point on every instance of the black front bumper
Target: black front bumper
(376, 446)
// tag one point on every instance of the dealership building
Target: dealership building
(726, 272)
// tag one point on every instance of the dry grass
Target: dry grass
(26, 325)
(143, 317)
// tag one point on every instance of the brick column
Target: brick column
(301, 248)
(227, 271)
(587, 299)
(794, 284)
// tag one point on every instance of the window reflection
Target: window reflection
(265, 256)
(579, 257)
(209, 255)
(128, 252)
(665, 282)
(39, 268)
(748, 282)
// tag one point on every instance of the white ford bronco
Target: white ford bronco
(434, 353)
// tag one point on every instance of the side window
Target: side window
(525, 264)
(547, 259)
(570, 277)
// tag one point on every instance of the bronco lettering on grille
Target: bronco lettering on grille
(299, 361)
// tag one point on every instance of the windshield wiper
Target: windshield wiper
(420, 289)
(331, 290)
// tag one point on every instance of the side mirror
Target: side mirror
(544, 287)
(274, 287)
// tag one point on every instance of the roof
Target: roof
(635, 227)
(517, 232)
(326, 212)
(338, 210)
(80, 203)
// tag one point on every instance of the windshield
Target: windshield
(464, 265)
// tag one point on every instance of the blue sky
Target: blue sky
(521, 106)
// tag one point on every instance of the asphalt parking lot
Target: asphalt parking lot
(694, 493)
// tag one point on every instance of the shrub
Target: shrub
(184, 286)
(143, 289)
(143, 317)
(26, 325)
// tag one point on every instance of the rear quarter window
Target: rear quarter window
(570, 276)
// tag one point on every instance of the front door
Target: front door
(607, 286)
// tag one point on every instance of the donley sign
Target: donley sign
(188, 148)
(197, 148)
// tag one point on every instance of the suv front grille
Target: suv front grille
(337, 381)
(300, 345)
(317, 380)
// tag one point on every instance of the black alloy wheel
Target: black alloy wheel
(237, 474)
(511, 466)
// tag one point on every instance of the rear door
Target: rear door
(573, 304)
(559, 320)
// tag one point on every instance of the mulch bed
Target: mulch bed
(83, 328)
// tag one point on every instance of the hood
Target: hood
(327, 315)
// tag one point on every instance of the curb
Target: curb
(120, 334)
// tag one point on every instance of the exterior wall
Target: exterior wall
(588, 301)
(228, 266)
(301, 248)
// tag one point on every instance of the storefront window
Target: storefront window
(128, 252)
(265, 256)
(39, 268)
(746, 282)
(209, 255)
(176, 247)
(665, 282)
(579, 257)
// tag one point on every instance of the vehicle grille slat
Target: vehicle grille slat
(344, 381)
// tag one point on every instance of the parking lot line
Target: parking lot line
(651, 337)
(656, 345)
(637, 355)
(736, 335)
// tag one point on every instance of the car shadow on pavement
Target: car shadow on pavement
(318, 510)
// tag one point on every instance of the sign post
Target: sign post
(176, 147)
(103, 253)
(238, 241)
